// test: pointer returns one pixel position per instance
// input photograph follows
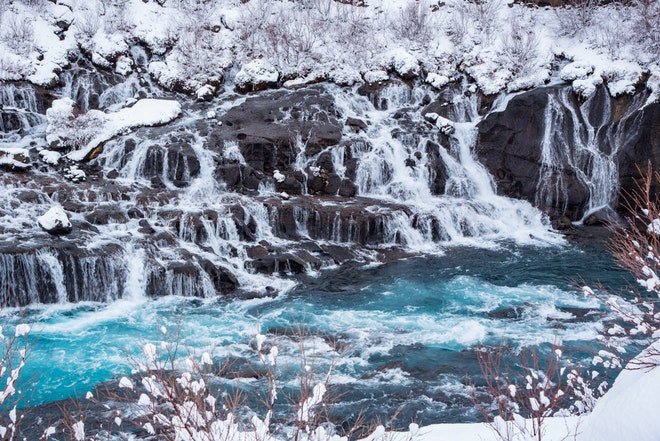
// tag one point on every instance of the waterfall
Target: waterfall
(157, 197)
(394, 165)
(585, 140)
(56, 273)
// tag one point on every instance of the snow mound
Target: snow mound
(256, 75)
(437, 80)
(55, 221)
(14, 158)
(622, 77)
(630, 409)
(376, 76)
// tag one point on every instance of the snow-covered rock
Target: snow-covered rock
(15, 159)
(376, 76)
(75, 174)
(576, 71)
(205, 93)
(622, 77)
(50, 157)
(55, 221)
(404, 63)
(446, 126)
(437, 80)
(145, 112)
(256, 75)
(345, 76)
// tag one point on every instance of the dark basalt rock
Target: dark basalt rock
(510, 144)
(641, 149)
(107, 214)
(267, 127)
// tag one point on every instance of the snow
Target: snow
(436, 80)
(50, 157)
(376, 76)
(22, 330)
(279, 177)
(145, 112)
(12, 157)
(500, 45)
(256, 72)
(54, 218)
(629, 409)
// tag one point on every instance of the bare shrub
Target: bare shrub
(526, 389)
(520, 49)
(413, 22)
(87, 23)
(636, 249)
(18, 33)
(474, 19)
(576, 16)
(117, 16)
(355, 30)
(287, 36)
(178, 394)
(611, 36)
(458, 26)
(485, 13)
(646, 24)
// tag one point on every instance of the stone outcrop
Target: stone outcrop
(511, 144)
(269, 130)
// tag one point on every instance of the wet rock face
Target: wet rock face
(510, 147)
(643, 149)
(511, 144)
(271, 130)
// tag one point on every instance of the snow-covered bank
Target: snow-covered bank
(501, 46)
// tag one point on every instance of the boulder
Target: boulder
(55, 221)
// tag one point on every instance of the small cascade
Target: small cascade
(56, 273)
(20, 97)
(583, 140)
(20, 111)
(136, 279)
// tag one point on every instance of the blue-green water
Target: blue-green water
(399, 334)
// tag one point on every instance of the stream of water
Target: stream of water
(399, 335)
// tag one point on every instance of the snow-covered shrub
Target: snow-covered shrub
(646, 23)
(67, 128)
(183, 398)
(413, 22)
(636, 249)
(18, 33)
(14, 67)
(472, 22)
(524, 388)
(520, 49)
(458, 25)
(576, 16)
(117, 16)
(486, 16)
(13, 350)
(87, 22)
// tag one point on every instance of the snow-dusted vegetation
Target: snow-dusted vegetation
(501, 45)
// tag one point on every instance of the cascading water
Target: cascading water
(156, 223)
(583, 140)
(398, 168)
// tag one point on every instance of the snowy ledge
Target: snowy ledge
(144, 113)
